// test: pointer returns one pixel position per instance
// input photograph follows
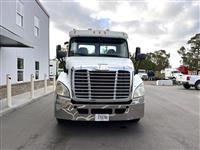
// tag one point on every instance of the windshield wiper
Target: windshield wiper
(111, 55)
(78, 54)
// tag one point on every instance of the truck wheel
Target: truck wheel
(186, 85)
(60, 121)
(197, 85)
(135, 120)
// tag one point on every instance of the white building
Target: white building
(24, 40)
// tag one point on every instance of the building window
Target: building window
(19, 13)
(36, 26)
(37, 68)
(20, 69)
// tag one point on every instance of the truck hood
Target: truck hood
(98, 62)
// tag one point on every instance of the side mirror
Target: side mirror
(137, 52)
(138, 55)
(60, 54)
(58, 48)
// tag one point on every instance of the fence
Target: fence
(32, 89)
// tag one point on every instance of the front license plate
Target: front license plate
(101, 117)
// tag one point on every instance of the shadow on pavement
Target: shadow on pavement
(88, 128)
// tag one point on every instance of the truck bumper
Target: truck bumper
(65, 109)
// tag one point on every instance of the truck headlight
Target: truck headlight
(139, 91)
(62, 90)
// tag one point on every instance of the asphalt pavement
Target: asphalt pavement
(172, 121)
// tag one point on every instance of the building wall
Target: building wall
(1, 77)
(40, 50)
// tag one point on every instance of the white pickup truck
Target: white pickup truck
(99, 81)
(189, 80)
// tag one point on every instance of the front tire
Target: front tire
(186, 85)
(135, 120)
(60, 121)
(197, 85)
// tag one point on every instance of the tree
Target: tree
(155, 61)
(161, 59)
(191, 57)
(182, 52)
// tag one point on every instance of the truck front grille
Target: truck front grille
(97, 85)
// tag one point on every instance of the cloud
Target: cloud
(150, 24)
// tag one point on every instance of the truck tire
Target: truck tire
(60, 121)
(135, 120)
(197, 85)
(186, 85)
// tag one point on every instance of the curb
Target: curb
(14, 108)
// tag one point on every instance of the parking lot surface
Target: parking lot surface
(171, 121)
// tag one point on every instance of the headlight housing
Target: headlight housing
(139, 91)
(62, 90)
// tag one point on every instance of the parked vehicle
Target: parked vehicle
(98, 82)
(143, 75)
(190, 81)
(172, 73)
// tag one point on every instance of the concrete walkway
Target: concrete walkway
(21, 100)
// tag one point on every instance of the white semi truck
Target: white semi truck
(99, 81)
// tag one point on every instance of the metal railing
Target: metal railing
(32, 80)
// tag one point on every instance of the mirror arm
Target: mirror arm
(64, 68)
(64, 64)
(137, 67)
(60, 56)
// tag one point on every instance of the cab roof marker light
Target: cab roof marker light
(104, 33)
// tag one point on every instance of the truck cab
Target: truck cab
(99, 81)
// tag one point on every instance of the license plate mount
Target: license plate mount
(101, 117)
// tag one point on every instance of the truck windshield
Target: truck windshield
(98, 46)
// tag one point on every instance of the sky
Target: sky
(150, 24)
